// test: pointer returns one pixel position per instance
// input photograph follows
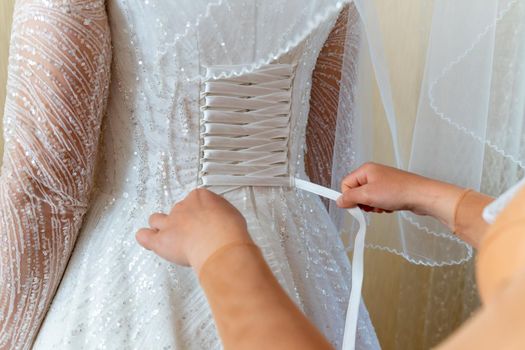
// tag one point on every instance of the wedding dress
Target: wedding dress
(176, 66)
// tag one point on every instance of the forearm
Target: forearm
(250, 308)
(458, 208)
(36, 241)
(58, 78)
(497, 325)
(501, 282)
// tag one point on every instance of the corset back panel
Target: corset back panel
(151, 130)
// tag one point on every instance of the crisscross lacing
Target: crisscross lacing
(245, 128)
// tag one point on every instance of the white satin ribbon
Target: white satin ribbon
(245, 127)
(352, 312)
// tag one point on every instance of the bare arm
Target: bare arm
(380, 188)
(250, 308)
(497, 325)
(500, 322)
(57, 85)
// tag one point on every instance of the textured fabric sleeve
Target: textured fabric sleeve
(250, 308)
(324, 102)
(58, 78)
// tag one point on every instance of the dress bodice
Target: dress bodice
(161, 54)
(113, 293)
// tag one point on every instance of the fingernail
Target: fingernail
(339, 200)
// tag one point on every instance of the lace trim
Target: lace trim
(209, 10)
(242, 70)
(445, 70)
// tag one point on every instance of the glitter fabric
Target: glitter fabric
(113, 293)
(57, 88)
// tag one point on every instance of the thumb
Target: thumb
(354, 196)
(147, 238)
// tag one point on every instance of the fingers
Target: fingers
(157, 220)
(380, 211)
(353, 197)
(364, 187)
(361, 197)
(355, 179)
(200, 193)
(147, 238)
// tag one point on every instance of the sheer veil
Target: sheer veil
(469, 121)
(282, 26)
(470, 112)
(468, 130)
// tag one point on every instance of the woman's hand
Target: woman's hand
(379, 188)
(195, 228)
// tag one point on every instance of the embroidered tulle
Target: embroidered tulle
(113, 294)
(56, 93)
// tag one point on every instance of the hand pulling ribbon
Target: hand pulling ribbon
(352, 312)
(245, 129)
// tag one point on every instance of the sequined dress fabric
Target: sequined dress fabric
(114, 294)
(57, 88)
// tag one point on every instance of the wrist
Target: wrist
(225, 250)
(201, 251)
(424, 194)
(439, 200)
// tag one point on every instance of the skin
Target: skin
(194, 232)
(194, 229)
(204, 222)
(379, 188)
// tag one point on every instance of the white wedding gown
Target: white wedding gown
(113, 293)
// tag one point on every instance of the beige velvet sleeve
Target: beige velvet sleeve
(250, 308)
